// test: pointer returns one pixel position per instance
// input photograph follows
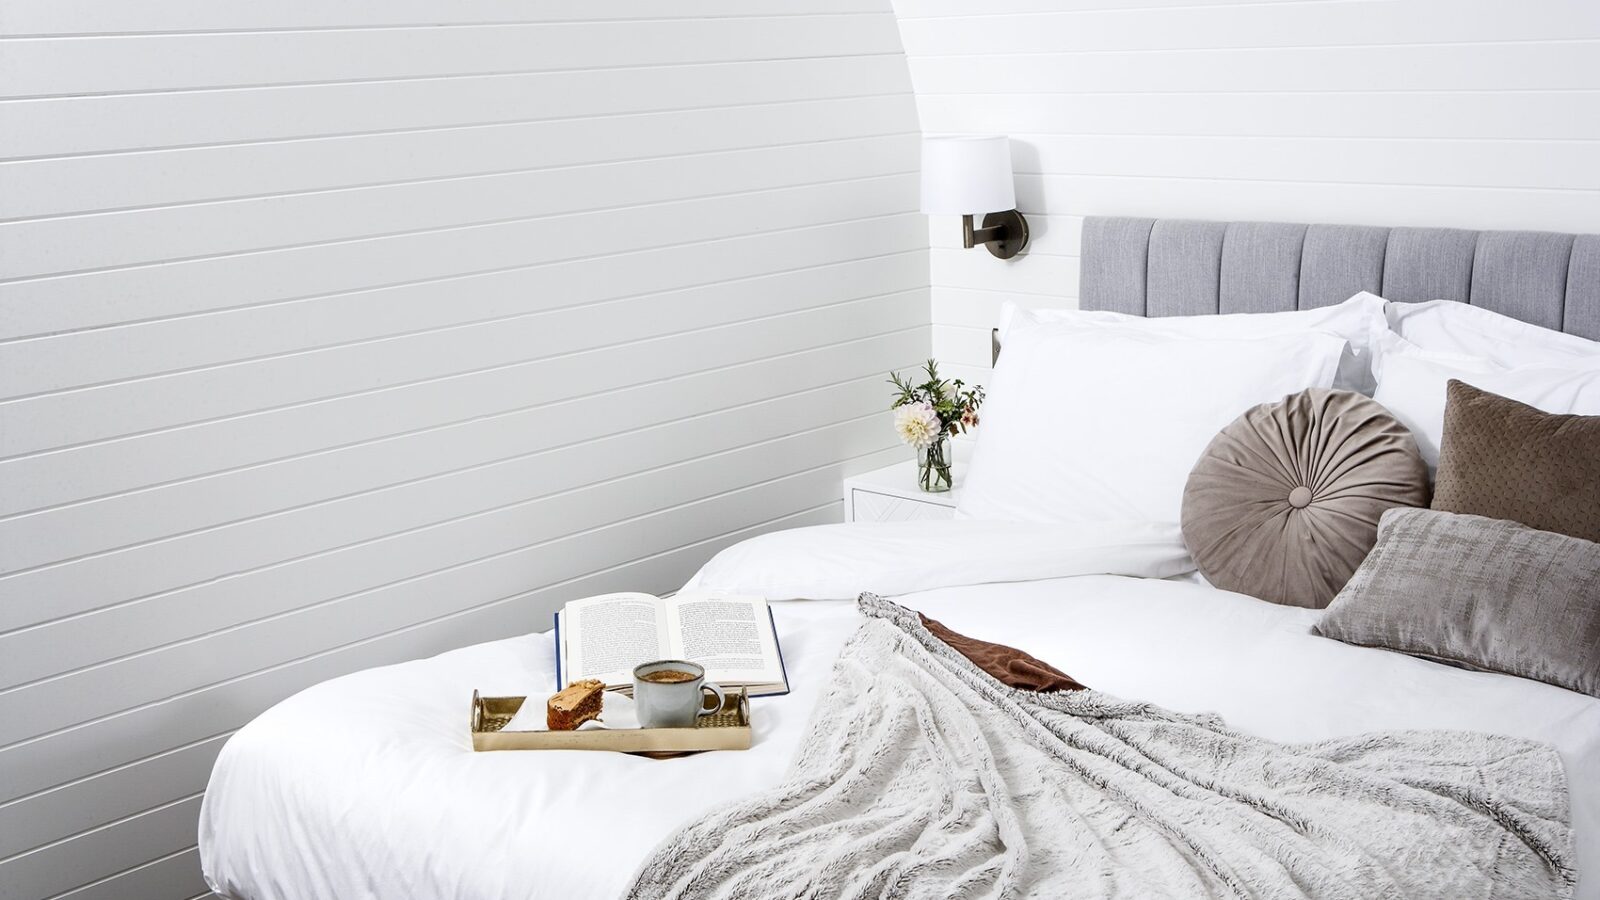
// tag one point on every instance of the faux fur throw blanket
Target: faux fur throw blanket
(922, 776)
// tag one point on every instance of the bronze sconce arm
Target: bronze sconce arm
(1003, 233)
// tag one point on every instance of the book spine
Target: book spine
(559, 645)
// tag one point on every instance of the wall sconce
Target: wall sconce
(965, 175)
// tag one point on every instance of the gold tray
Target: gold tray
(727, 729)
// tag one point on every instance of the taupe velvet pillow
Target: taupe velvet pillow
(1477, 592)
(1508, 460)
(1284, 503)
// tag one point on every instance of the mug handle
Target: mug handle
(716, 691)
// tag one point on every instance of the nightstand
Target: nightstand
(890, 494)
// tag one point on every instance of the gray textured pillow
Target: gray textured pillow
(1284, 503)
(1481, 593)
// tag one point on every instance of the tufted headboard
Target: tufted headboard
(1182, 267)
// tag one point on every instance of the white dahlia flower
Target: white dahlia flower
(917, 424)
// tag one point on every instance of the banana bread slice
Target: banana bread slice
(575, 704)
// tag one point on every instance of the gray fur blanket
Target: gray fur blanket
(922, 776)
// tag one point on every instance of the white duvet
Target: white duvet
(367, 786)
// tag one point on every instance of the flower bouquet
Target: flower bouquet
(927, 415)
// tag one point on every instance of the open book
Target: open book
(734, 637)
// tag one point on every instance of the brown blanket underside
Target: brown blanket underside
(1007, 664)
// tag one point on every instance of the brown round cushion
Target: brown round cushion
(1284, 503)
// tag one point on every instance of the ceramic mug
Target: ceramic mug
(670, 693)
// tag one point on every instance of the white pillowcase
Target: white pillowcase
(1446, 326)
(1105, 423)
(1411, 385)
(1359, 320)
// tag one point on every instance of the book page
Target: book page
(730, 635)
(610, 634)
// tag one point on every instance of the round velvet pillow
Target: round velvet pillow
(1284, 503)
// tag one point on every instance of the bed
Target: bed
(367, 786)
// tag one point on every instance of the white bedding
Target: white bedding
(367, 786)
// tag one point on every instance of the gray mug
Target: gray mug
(675, 703)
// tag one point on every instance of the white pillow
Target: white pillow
(1104, 424)
(1411, 385)
(1446, 326)
(1359, 320)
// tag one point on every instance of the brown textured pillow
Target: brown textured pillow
(1508, 460)
(1284, 503)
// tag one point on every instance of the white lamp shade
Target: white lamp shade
(967, 175)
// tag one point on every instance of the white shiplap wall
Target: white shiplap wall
(336, 333)
(1466, 113)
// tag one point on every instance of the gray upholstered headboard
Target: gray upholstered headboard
(1173, 267)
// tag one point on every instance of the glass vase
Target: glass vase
(933, 466)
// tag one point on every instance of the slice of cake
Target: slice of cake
(575, 704)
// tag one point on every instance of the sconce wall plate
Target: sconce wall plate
(1003, 233)
(1013, 233)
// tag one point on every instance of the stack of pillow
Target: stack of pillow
(1320, 491)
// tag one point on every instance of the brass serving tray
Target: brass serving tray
(728, 729)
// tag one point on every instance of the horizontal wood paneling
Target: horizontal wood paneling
(1361, 23)
(67, 17)
(133, 122)
(41, 67)
(1556, 64)
(825, 129)
(193, 450)
(1473, 115)
(335, 334)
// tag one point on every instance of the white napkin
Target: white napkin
(617, 712)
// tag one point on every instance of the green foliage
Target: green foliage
(953, 402)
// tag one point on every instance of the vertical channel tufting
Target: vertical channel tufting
(1170, 267)
(1429, 264)
(1185, 273)
(1113, 260)
(1582, 314)
(1260, 267)
(1340, 261)
(1522, 274)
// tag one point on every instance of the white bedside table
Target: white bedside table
(890, 494)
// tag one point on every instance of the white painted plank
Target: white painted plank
(124, 295)
(143, 515)
(561, 456)
(969, 308)
(41, 540)
(1254, 25)
(552, 199)
(824, 129)
(1519, 115)
(75, 125)
(1559, 65)
(108, 797)
(106, 468)
(170, 876)
(61, 867)
(1051, 276)
(923, 9)
(493, 599)
(65, 17)
(216, 560)
(531, 300)
(1556, 165)
(1301, 201)
(170, 401)
(34, 67)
